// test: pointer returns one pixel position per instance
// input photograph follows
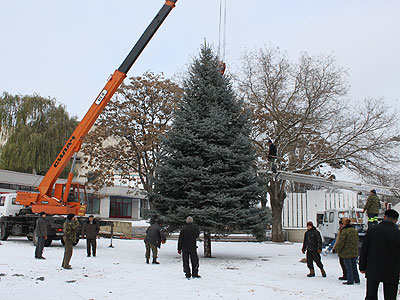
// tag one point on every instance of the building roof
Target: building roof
(14, 181)
(18, 178)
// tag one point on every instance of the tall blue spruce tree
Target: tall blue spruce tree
(207, 167)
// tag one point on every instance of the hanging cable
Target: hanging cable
(219, 28)
(222, 34)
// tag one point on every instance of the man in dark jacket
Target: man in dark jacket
(41, 234)
(313, 245)
(90, 229)
(380, 257)
(372, 208)
(153, 240)
(71, 225)
(187, 247)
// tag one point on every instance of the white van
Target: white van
(328, 222)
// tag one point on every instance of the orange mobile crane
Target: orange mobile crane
(58, 203)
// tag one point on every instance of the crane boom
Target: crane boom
(339, 184)
(44, 200)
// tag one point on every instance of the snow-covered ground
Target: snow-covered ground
(238, 271)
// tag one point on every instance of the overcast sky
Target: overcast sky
(68, 49)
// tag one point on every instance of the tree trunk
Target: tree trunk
(277, 196)
(151, 200)
(277, 233)
(148, 187)
(207, 244)
(264, 201)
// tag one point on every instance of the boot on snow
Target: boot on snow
(323, 273)
(155, 261)
(311, 274)
(147, 261)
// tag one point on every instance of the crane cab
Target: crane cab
(77, 196)
(8, 205)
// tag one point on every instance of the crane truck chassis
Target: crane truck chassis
(15, 220)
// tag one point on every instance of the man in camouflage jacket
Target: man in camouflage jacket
(70, 227)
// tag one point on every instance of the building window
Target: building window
(120, 207)
(93, 204)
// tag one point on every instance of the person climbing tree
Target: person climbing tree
(272, 155)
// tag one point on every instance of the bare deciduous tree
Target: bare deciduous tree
(303, 108)
(126, 137)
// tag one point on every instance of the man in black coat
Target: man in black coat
(90, 229)
(153, 240)
(313, 245)
(41, 234)
(380, 257)
(187, 247)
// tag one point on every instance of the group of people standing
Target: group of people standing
(71, 225)
(186, 246)
(154, 238)
(379, 258)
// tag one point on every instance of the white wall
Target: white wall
(105, 207)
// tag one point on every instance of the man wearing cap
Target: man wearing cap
(41, 234)
(187, 247)
(313, 245)
(372, 208)
(90, 230)
(70, 227)
(380, 257)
